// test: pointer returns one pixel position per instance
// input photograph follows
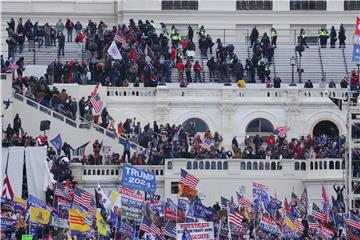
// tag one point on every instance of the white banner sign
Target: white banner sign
(197, 230)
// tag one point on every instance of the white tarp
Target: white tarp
(15, 168)
(37, 170)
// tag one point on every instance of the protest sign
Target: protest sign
(139, 179)
(131, 204)
(197, 230)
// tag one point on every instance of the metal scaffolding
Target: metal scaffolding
(352, 163)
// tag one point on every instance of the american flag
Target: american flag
(170, 229)
(119, 37)
(62, 191)
(243, 201)
(313, 224)
(297, 222)
(294, 199)
(353, 221)
(7, 188)
(148, 226)
(234, 216)
(85, 200)
(80, 150)
(317, 213)
(96, 103)
(303, 205)
(205, 146)
(326, 232)
(188, 179)
(281, 131)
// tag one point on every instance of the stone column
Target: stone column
(227, 108)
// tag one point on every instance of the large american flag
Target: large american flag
(188, 179)
(148, 226)
(96, 103)
(243, 201)
(119, 37)
(281, 131)
(313, 224)
(234, 216)
(62, 191)
(353, 221)
(317, 213)
(85, 200)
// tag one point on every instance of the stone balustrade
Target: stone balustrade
(224, 92)
(312, 168)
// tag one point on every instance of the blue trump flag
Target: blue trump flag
(356, 53)
(186, 235)
(57, 142)
(139, 179)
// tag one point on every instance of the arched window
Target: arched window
(219, 165)
(248, 166)
(273, 165)
(261, 166)
(303, 166)
(326, 127)
(242, 166)
(331, 165)
(259, 126)
(195, 125)
(201, 165)
(195, 165)
(267, 166)
(188, 165)
(255, 166)
(213, 165)
(225, 166)
(207, 165)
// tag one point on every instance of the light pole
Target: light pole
(292, 63)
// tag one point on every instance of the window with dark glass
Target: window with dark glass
(174, 187)
(308, 5)
(254, 5)
(179, 5)
(351, 5)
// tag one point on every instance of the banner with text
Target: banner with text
(139, 179)
(199, 230)
(131, 204)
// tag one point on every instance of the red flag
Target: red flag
(287, 207)
(357, 30)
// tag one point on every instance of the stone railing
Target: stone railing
(254, 91)
(108, 173)
(312, 169)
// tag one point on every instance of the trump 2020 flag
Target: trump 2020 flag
(57, 142)
(114, 52)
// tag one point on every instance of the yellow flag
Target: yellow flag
(19, 200)
(246, 215)
(77, 221)
(291, 225)
(39, 215)
(101, 224)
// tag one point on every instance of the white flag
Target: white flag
(114, 52)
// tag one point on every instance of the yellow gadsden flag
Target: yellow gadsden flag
(101, 224)
(39, 215)
(77, 221)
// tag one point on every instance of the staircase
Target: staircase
(46, 54)
(333, 68)
(67, 127)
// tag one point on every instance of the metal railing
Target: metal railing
(68, 121)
